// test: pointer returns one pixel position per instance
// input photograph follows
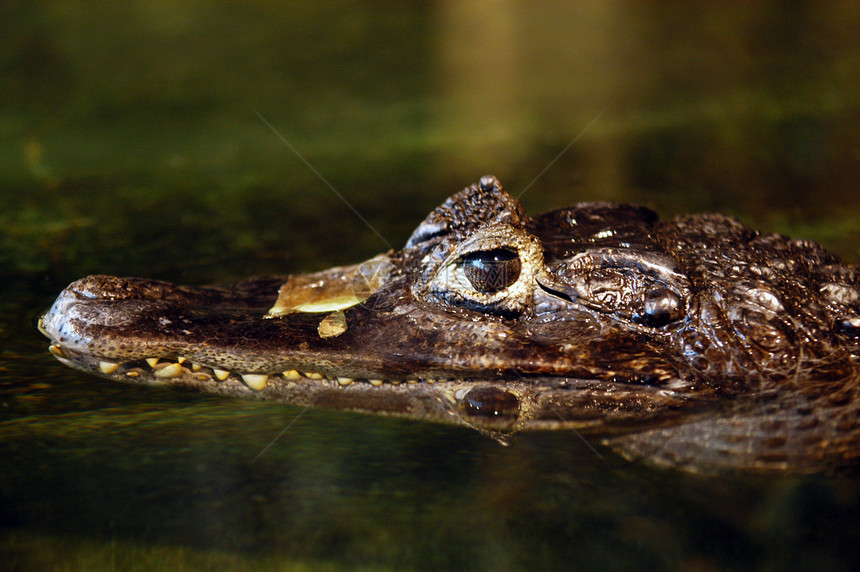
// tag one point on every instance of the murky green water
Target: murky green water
(131, 143)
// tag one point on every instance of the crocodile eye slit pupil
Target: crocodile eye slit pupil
(661, 307)
(490, 271)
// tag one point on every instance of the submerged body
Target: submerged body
(695, 342)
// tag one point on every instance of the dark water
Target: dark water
(131, 143)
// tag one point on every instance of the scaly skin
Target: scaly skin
(696, 342)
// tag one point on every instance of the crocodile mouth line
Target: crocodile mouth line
(166, 370)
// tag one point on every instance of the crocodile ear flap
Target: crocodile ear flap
(426, 232)
(483, 204)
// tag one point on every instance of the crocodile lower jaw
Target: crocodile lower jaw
(179, 369)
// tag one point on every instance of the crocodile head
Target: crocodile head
(695, 342)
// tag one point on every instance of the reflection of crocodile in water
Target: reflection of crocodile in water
(695, 342)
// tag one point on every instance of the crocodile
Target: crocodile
(694, 342)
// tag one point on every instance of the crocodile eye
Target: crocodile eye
(491, 271)
(662, 306)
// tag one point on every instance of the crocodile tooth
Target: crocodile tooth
(411, 381)
(180, 360)
(196, 367)
(132, 373)
(314, 375)
(152, 361)
(56, 350)
(345, 380)
(221, 374)
(292, 375)
(395, 382)
(168, 371)
(375, 382)
(256, 381)
(108, 367)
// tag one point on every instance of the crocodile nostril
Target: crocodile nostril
(103, 287)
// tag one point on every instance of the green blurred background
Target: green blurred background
(200, 141)
(115, 116)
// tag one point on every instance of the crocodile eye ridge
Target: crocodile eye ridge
(491, 271)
